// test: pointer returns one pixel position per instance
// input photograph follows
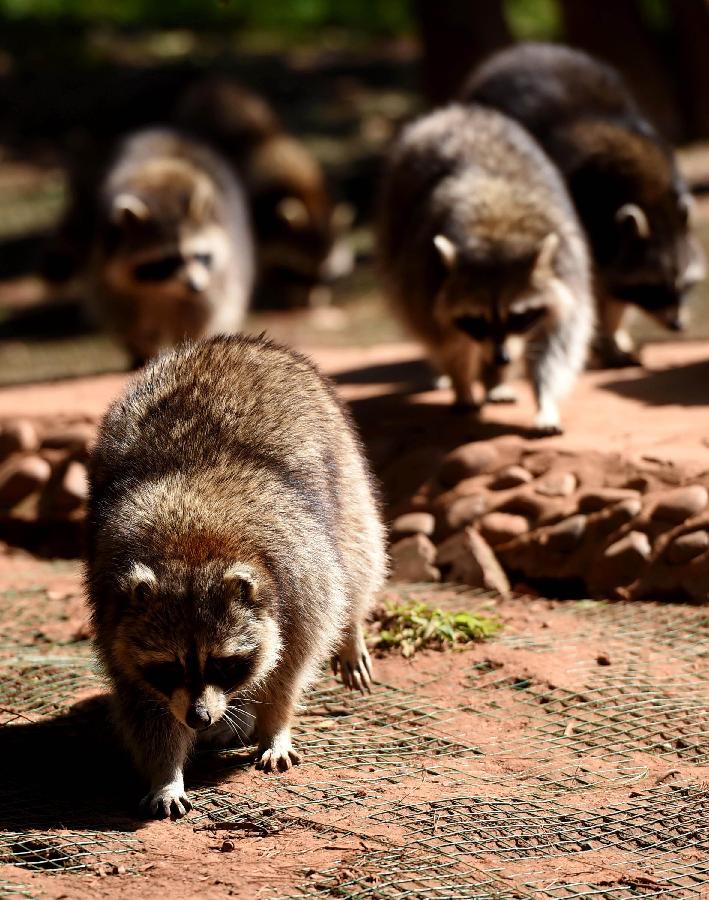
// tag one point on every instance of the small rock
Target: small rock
(687, 546)
(567, 534)
(499, 527)
(603, 659)
(413, 523)
(465, 510)
(594, 501)
(616, 516)
(681, 504)
(227, 846)
(73, 489)
(18, 436)
(468, 558)
(412, 560)
(540, 462)
(512, 476)
(557, 484)
(79, 437)
(475, 458)
(19, 479)
(626, 557)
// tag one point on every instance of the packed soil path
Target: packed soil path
(566, 757)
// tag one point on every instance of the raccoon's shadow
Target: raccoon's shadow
(677, 386)
(66, 772)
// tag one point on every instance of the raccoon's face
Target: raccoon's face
(159, 270)
(195, 640)
(497, 305)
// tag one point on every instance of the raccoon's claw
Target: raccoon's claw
(502, 393)
(278, 758)
(165, 803)
(355, 669)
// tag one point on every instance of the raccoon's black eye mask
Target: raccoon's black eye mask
(158, 269)
(519, 323)
(164, 676)
(481, 329)
(227, 672)
(476, 327)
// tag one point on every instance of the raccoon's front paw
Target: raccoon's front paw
(354, 665)
(166, 802)
(547, 423)
(278, 755)
(502, 393)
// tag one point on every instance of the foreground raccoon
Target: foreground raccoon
(483, 255)
(621, 175)
(172, 254)
(297, 225)
(234, 546)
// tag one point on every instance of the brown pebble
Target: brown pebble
(465, 510)
(681, 503)
(512, 476)
(603, 659)
(623, 561)
(500, 527)
(567, 534)
(468, 557)
(17, 436)
(227, 846)
(412, 560)
(475, 458)
(557, 484)
(540, 462)
(78, 437)
(413, 523)
(594, 501)
(18, 479)
(74, 487)
(687, 546)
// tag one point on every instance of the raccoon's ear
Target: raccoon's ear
(293, 211)
(140, 582)
(632, 214)
(545, 257)
(447, 250)
(242, 581)
(202, 199)
(127, 209)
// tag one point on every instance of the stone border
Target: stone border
(506, 511)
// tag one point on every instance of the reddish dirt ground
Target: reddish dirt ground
(566, 757)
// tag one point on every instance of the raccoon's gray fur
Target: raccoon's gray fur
(234, 546)
(482, 253)
(621, 175)
(173, 255)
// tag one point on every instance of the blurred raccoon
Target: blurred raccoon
(234, 545)
(484, 258)
(299, 231)
(622, 177)
(172, 255)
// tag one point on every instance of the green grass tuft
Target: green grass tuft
(409, 627)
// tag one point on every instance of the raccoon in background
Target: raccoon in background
(484, 258)
(171, 254)
(298, 228)
(622, 177)
(234, 546)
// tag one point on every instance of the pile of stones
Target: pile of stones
(502, 512)
(43, 482)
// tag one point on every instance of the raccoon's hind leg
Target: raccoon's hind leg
(159, 745)
(614, 348)
(353, 661)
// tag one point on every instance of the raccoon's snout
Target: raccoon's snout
(198, 717)
(502, 355)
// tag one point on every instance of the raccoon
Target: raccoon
(234, 545)
(172, 254)
(299, 229)
(622, 176)
(483, 256)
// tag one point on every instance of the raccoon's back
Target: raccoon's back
(546, 85)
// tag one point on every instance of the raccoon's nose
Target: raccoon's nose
(502, 356)
(198, 717)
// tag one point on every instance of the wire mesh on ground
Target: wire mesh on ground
(560, 802)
